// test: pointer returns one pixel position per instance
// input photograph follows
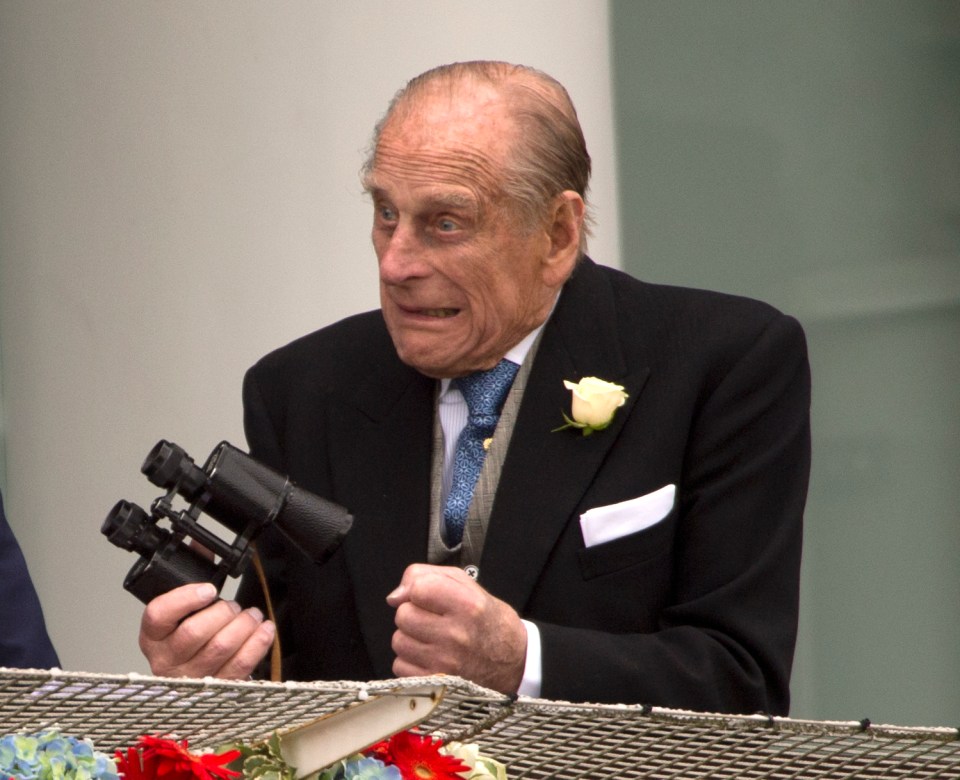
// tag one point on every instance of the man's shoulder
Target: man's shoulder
(333, 360)
(661, 321)
(343, 343)
(674, 306)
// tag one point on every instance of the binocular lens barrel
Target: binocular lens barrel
(169, 466)
(245, 494)
(129, 527)
(242, 493)
(167, 568)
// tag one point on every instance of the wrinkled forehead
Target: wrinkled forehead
(452, 109)
(449, 136)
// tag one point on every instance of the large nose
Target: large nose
(401, 255)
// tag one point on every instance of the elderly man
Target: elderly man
(655, 560)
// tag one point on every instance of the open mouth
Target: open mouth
(425, 313)
(439, 313)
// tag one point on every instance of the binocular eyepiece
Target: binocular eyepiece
(242, 494)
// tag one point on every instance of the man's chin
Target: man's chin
(444, 369)
(427, 363)
(448, 367)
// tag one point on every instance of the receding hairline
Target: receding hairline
(517, 84)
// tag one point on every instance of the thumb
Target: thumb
(398, 595)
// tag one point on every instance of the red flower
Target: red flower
(418, 757)
(155, 758)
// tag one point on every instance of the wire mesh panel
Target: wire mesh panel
(545, 740)
(534, 738)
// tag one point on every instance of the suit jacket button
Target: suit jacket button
(472, 571)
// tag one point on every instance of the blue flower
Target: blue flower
(361, 768)
(370, 769)
(48, 755)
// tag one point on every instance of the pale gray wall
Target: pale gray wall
(179, 195)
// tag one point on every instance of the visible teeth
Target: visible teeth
(440, 312)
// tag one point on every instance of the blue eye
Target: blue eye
(446, 225)
(387, 214)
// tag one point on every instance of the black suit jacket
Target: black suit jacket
(698, 611)
(23, 634)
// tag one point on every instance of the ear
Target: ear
(564, 229)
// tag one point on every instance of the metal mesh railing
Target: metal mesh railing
(534, 738)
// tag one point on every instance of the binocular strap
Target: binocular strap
(275, 655)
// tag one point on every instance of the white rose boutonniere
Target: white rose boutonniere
(595, 402)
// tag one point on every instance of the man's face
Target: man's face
(460, 282)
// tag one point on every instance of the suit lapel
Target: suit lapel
(546, 473)
(389, 436)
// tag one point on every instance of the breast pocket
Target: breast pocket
(640, 547)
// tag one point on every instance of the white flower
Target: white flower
(481, 767)
(595, 401)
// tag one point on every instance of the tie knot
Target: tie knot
(485, 391)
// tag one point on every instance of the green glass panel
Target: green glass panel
(808, 153)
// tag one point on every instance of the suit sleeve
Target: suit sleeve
(724, 641)
(24, 642)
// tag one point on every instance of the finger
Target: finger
(228, 640)
(398, 596)
(423, 625)
(210, 651)
(403, 668)
(425, 571)
(202, 628)
(242, 663)
(411, 574)
(164, 614)
(445, 590)
(414, 657)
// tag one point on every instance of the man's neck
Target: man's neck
(518, 352)
(515, 354)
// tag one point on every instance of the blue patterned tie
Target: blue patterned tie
(485, 393)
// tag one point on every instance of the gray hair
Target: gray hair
(549, 155)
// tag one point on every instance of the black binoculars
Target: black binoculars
(240, 493)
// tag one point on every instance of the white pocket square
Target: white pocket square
(606, 523)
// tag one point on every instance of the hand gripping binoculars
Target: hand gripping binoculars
(242, 494)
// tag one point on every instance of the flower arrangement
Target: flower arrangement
(408, 755)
